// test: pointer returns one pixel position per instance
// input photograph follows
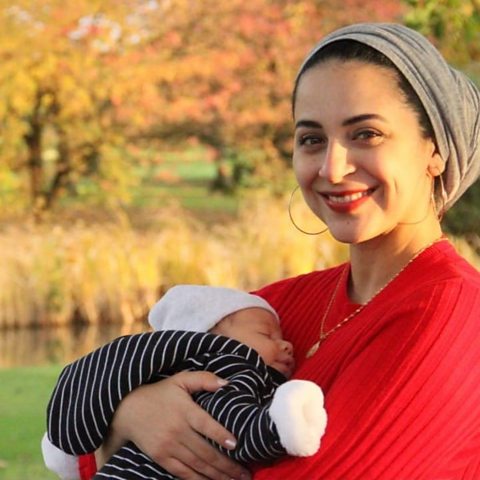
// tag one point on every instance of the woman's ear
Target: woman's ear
(436, 165)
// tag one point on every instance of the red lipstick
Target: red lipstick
(346, 201)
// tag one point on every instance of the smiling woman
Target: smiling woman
(360, 155)
(385, 134)
(387, 137)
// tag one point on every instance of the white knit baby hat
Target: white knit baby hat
(199, 308)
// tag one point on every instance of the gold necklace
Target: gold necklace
(323, 335)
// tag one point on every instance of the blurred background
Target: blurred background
(145, 143)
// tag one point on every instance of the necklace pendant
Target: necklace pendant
(313, 349)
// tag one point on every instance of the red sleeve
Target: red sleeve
(87, 466)
(404, 402)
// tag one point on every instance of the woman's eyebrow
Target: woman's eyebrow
(363, 117)
(307, 124)
(345, 123)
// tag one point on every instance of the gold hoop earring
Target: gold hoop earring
(293, 221)
(443, 196)
(432, 201)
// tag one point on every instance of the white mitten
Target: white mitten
(59, 462)
(300, 417)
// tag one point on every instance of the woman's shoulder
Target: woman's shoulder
(441, 284)
(445, 264)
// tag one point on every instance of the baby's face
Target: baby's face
(259, 329)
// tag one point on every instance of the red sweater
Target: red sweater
(401, 378)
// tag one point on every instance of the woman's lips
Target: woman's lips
(347, 201)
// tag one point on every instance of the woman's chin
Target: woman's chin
(347, 239)
(347, 234)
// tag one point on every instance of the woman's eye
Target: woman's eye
(310, 140)
(369, 135)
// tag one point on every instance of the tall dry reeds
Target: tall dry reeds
(111, 271)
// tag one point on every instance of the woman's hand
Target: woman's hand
(166, 424)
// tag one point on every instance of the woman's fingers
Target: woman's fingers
(204, 458)
(198, 419)
(191, 456)
(185, 464)
(166, 424)
(198, 381)
(202, 423)
(211, 465)
(198, 455)
(180, 470)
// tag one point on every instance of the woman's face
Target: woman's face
(359, 155)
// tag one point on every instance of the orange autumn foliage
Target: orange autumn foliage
(87, 79)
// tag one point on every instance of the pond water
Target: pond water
(60, 345)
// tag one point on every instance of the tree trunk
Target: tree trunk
(33, 140)
(62, 170)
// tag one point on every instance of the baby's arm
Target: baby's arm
(90, 389)
(267, 423)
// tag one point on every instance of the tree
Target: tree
(85, 83)
(227, 71)
(60, 122)
(453, 25)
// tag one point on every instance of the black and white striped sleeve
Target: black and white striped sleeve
(89, 390)
(242, 407)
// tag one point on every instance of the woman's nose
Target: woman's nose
(335, 165)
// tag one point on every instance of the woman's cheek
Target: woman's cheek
(301, 171)
(296, 168)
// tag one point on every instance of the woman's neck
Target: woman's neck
(375, 262)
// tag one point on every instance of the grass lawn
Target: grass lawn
(184, 177)
(24, 394)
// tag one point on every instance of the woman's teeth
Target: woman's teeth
(347, 198)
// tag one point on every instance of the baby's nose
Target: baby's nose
(286, 347)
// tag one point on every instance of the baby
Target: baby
(268, 415)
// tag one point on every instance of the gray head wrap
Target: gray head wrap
(451, 100)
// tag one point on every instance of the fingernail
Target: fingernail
(222, 382)
(230, 443)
